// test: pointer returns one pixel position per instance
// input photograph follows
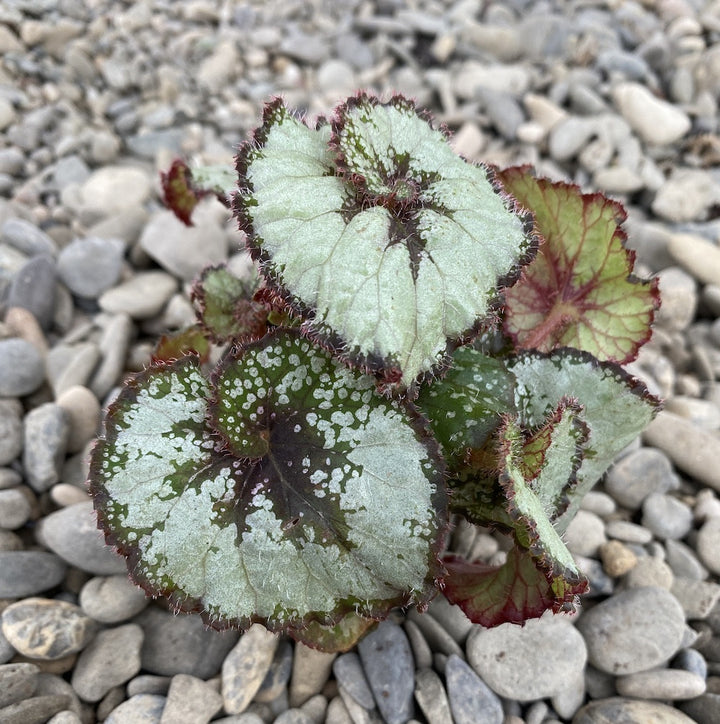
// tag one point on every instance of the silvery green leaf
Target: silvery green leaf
(389, 244)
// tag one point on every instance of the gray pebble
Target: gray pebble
(141, 297)
(26, 573)
(190, 701)
(69, 365)
(629, 711)
(708, 544)
(45, 629)
(691, 660)
(15, 508)
(420, 648)
(432, 697)
(349, 674)
(12, 161)
(678, 291)
(35, 710)
(17, 682)
(649, 571)
(148, 684)
(633, 631)
(83, 410)
(529, 662)
(182, 644)
(246, 666)
(21, 368)
(704, 709)
(387, 659)
(666, 517)
(276, 680)
(65, 717)
(698, 598)
(114, 188)
(26, 237)
(311, 669)
(628, 532)
(111, 659)
(293, 716)
(11, 430)
(471, 700)
(90, 266)
(33, 288)
(503, 110)
(683, 561)
(434, 633)
(337, 712)
(72, 533)
(46, 433)
(585, 534)
(139, 709)
(639, 474)
(112, 599)
(113, 349)
(359, 714)
(662, 684)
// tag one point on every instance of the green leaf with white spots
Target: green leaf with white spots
(615, 407)
(464, 407)
(389, 244)
(298, 496)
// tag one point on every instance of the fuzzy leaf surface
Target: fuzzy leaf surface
(324, 499)
(388, 243)
(191, 340)
(184, 187)
(579, 291)
(615, 407)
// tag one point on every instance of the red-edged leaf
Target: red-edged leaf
(512, 593)
(183, 187)
(334, 639)
(189, 341)
(579, 291)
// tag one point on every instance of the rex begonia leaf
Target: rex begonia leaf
(579, 291)
(300, 495)
(191, 340)
(464, 407)
(184, 187)
(225, 306)
(615, 407)
(335, 638)
(389, 245)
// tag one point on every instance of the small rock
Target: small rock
(530, 662)
(471, 76)
(683, 561)
(83, 411)
(111, 659)
(387, 659)
(585, 534)
(17, 682)
(350, 675)
(678, 292)
(311, 670)
(15, 508)
(293, 716)
(691, 660)
(45, 629)
(182, 644)
(185, 250)
(112, 599)
(639, 474)
(190, 701)
(35, 710)
(246, 666)
(698, 598)
(697, 255)
(451, 617)
(71, 364)
(650, 571)
(436, 636)
(90, 266)
(471, 700)
(276, 680)
(666, 517)
(141, 297)
(33, 288)
(633, 631)
(688, 195)
(629, 711)
(664, 684)
(26, 573)
(27, 238)
(21, 368)
(656, 121)
(113, 350)
(708, 544)
(139, 709)
(431, 696)
(617, 559)
(46, 433)
(113, 188)
(628, 532)
(569, 136)
(72, 533)
(704, 709)
(422, 653)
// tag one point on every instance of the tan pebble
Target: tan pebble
(83, 410)
(64, 494)
(617, 558)
(21, 322)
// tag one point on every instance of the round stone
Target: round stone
(112, 599)
(666, 517)
(89, 266)
(633, 631)
(113, 188)
(670, 684)
(33, 288)
(26, 573)
(15, 509)
(11, 430)
(83, 411)
(21, 368)
(629, 711)
(45, 629)
(17, 682)
(45, 442)
(528, 662)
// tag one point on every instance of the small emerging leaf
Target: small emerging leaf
(189, 341)
(389, 244)
(579, 291)
(338, 637)
(184, 187)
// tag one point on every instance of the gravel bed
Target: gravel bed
(96, 97)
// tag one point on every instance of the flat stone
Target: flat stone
(349, 674)
(431, 696)
(112, 599)
(639, 474)
(585, 534)
(683, 561)
(190, 700)
(666, 517)
(141, 297)
(17, 682)
(35, 710)
(678, 291)
(11, 430)
(83, 412)
(47, 429)
(182, 644)
(139, 709)
(26, 237)
(629, 711)
(633, 631)
(471, 700)
(113, 188)
(529, 662)
(436, 636)
(276, 680)
(672, 684)
(649, 571)
(90, 266)
(704, 709)
(15, 509)
(45, 629)
(698, 256)
(26, 573)
(73, 535)
(111, 659)
(688, 195)
(246, 666)
(33, 288)
(387, 660)
(21, 368)
(708, 544)
(311, 670)
(113, 346)
(69, 365)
